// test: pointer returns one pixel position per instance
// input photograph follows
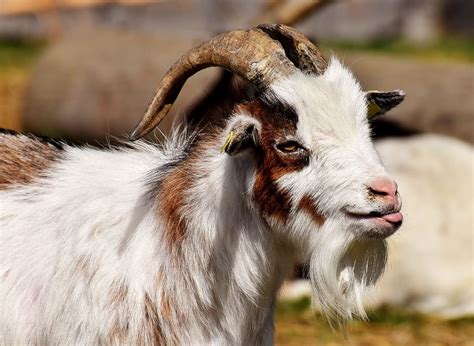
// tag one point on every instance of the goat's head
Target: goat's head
(318, 181)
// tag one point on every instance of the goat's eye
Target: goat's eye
(289, 147)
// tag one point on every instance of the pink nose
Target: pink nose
(383, 187)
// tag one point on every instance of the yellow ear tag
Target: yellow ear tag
(372, 110)
(227, 141)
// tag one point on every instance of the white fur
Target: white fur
(333, 124)
(95, 205)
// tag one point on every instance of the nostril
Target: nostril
(383, 187)
(377, 192)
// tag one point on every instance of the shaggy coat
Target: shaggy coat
(189, 242)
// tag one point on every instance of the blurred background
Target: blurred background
(85, 70)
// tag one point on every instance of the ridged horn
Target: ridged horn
(251, 54)
(299, 49)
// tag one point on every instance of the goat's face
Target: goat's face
(319, 182)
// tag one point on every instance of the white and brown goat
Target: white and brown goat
(189, 242)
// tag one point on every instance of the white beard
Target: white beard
(342, 269)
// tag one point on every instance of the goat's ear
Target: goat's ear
(380, 102)
(243, 134)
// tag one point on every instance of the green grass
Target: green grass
(16, 61)
(297, 324)
(444, 49)
(18, 53)
(293, 306)
(394, 317)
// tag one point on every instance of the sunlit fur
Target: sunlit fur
(84, 258)
(333, 124)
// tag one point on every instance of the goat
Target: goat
(188, 242)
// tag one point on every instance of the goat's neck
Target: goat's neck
(228, 256)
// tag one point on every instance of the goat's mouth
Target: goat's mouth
(378, 224)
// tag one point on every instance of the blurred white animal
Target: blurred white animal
(431, 267)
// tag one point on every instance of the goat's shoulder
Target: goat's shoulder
(23, 157)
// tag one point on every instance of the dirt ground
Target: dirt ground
(297, 324)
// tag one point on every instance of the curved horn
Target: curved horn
(252, 54)
(299, 49)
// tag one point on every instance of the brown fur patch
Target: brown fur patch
(272, 165)
(118, 293)
(272, 200)
(170, 199)
(166, 305)
(83, 265)
(117, 300)
(24, 158)
(171, 203)
(307, 204)
(152, 321)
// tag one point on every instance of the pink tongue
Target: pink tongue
(395, 217)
